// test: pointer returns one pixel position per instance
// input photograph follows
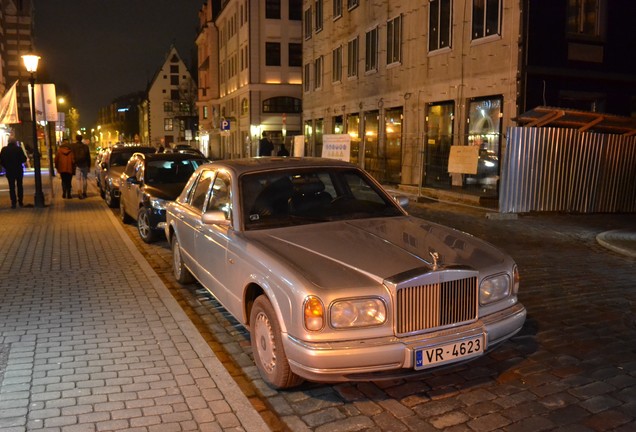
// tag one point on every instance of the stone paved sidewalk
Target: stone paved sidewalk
(90, 338)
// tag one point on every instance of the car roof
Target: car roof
(255, 164)
(136, 149)
(172, 156)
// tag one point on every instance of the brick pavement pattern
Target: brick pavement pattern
(91, 339)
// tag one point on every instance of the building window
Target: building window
(394, 40)
(352, 58)
(167, 106)
(272, 53)
(352, 4)
(206, 113)
(296, 10)
(307, 77)
(318, 72)
(308, 23)
(371, 51)
(439, 24)
(244, 106)
(174, 69)
(168, 124)
(272, 9)
(174, 79)
(486, 18)
(282, 104)
(174, 95)
(318, 14)
(337, 9)
(336, 64)
(295, 54)
(584, 18)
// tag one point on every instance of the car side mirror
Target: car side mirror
(402, 200)
(215, 217)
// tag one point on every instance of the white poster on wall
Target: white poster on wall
(336, 146)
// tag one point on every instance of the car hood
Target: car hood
(359, 252)
(167, 191)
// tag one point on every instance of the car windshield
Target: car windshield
(286, 198)
(170, 171)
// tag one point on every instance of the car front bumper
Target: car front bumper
(393, 357)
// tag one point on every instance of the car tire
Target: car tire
(111, 201)
(267, 346)
(146, 232)
(125, 218)
(181, 273)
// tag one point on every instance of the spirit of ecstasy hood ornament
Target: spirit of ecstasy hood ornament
(435, 257)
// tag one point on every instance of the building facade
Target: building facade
(427, 89)
(119, 121)
(250, 74)
(168, 113)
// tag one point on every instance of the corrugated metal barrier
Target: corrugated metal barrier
(554, 169)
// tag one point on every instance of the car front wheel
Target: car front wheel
(181, 273)
(267, 346)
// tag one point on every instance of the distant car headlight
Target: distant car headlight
(362, 312)
(158, 204)
(494, 289)
(114, 182)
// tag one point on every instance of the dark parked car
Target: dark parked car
(333, 279)
(148, 182)
(112, 165)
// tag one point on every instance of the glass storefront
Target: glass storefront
(438, 141)
(373, 160)
(353, 129)
(393, 134)
(485, 131)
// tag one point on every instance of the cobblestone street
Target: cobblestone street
(572, 368)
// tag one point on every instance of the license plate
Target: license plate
(456, 351)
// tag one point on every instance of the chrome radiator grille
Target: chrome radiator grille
(425, 307)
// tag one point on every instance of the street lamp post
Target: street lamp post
(31, 64)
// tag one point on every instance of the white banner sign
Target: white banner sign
(336, 146)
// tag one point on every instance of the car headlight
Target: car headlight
(494, 289)
(357, 313)
(158, 204)
(114, 182)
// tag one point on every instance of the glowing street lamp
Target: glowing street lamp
(31, 65)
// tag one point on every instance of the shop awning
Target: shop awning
(581, 120)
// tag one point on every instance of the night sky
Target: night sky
(98, 50)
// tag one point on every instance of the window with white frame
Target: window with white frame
(371, 51)
(337, 8)
(486, 18)
(352, 58)
(336, 64)
(318, 12)
(307, 77)
(352, 3)
(318, 66)
(308, 23)
(394, 40)
(168, 124)
(439, 24)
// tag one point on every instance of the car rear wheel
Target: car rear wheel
(181, 273)
(267, 346)
(144, 228)
(125, 218)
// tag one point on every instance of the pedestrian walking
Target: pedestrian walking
(12, 158)
(83, 162)
(65, 165)
(265, 146)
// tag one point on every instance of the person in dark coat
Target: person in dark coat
(12, 158)
(265, 146)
